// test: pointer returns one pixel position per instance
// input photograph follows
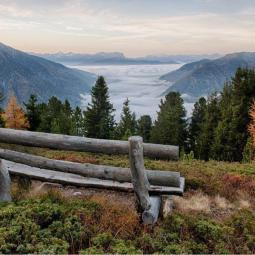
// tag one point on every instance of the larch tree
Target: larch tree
(14, 117)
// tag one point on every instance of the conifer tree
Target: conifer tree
(197, 121)
(127, 125)
(1, 118)
(14, 117)
(99, 119)
(232, 134)
(32, 113)
(170, 126)
(144, 126)
(206, 136)
(222, 147)
(78, 122)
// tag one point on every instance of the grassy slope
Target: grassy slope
(215, 215)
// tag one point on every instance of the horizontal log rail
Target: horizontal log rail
(16, 169)
(155, 177)
(76, 143)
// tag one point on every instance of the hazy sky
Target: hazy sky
(135, 27)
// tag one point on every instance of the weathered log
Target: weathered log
(150, 216)
(75, 143)
(45, 175)
(155, 177)
(139, 177)
(5, 184)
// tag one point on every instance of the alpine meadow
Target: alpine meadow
(127, 127)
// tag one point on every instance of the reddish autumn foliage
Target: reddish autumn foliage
(234, 183)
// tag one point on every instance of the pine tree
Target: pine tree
(32, 113)
(127, 125)
(144, 126)
(99, 119)
(197, 121)
(14, 117)
(170, 126)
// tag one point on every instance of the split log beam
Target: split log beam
(45, 175)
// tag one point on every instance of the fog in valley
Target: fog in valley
(140, 83)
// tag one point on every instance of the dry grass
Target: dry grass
(193, 202)
(216, 207)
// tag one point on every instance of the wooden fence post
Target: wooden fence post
(5, 184)
(139, 177)
(150, 216)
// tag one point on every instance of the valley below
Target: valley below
(141, 84)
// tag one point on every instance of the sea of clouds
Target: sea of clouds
(139, 83)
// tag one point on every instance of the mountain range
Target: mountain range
(101, 58)
(118, 58)
(22, 74)
(206, 76)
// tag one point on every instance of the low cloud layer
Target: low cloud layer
(139, 83)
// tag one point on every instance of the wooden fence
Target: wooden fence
(148, 185)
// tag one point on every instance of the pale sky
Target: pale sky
(134, 27)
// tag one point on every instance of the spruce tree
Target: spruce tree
(222, 146)
(144, 126)
(78, 122)
(197, 120)
(232, 134)
(99, 119)
(170, 126)
(1, 118)
(33, 113)
(206, 137)
(127, 125)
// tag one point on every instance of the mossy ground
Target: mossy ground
(216, 214)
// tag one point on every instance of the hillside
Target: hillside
(206, 76)
(22, 74)
(216, 214)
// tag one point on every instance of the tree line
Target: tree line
(218, 128)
